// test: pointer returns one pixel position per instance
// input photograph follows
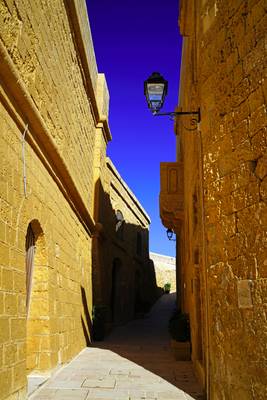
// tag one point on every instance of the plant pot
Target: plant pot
(179, 327)
(181, 350)
(99, 318)
(98, 330)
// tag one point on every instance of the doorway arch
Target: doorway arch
(37, 300)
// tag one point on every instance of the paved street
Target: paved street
(133, 363)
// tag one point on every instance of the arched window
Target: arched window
(37, 297)
(30, 250)
(119, 224)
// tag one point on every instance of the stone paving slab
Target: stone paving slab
(128, 366)
(115, 384)
(105, 383)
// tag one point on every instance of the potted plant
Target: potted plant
(167, 287)
(99, 318)
(179, 329)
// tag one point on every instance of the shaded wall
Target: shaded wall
(122, 270)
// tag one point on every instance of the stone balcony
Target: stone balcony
(172, 194)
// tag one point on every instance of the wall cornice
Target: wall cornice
(15, 96)
(80, 26)
(116, 175)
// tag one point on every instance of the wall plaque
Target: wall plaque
(244, 293)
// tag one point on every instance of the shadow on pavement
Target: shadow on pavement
(146, 342)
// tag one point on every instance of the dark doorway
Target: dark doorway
(137, 290)
(116, 307)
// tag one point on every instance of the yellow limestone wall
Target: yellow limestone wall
(54, 332)
(47, 73)
(165, 270)
(225, 228)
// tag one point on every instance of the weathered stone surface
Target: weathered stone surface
(263, 189)
(261, 169)
(244, 294)
(227, 62)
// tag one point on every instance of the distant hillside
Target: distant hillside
(165, 269)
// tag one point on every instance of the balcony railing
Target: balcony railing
(172, 194)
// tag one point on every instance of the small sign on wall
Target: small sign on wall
(244, 293)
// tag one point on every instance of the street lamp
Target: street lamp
(155, 89)
(170, 234)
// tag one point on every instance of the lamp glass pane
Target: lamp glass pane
(155, 92)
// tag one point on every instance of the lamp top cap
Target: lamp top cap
(169, 233)
(155, 77)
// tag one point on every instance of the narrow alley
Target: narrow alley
(134, 363)
(133, 161)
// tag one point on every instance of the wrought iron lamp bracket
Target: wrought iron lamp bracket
(194, 120)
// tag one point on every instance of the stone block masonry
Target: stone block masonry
(54, 333)
(43, 65)
(55, 181)
(224, 70)
(49, 118)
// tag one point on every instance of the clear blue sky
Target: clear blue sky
(133, 38)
